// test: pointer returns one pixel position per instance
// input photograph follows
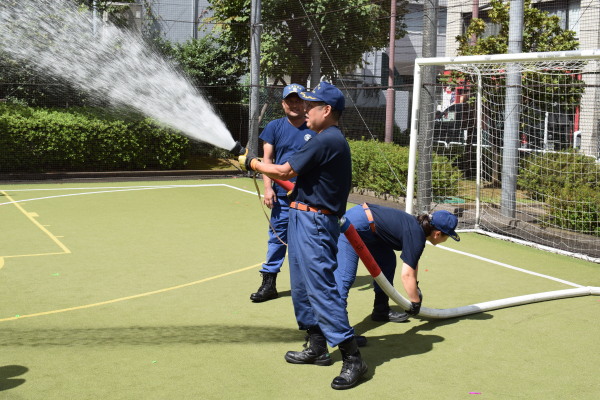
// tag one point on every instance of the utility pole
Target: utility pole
(94, 17)
(255, 30)
(512, 112)
(474, 14)
(195, 16)
(390, 95)
(427, 104)
(315, 56)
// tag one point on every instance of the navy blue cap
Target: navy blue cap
(292, 88)
(327, 93)
(446, 222)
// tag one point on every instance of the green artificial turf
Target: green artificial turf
(140, 290)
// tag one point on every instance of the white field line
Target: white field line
(72, 194)
(510, 266)
(135, 188)
(112, 190)
(76, 188)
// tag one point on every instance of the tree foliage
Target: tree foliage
(209, 66)
(346, 29)
(541, 32)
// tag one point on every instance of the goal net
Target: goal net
(522, 132)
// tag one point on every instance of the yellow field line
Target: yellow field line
(102, 303)
(36, 223)
(32, 255)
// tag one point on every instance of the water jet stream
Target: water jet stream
(56, 38)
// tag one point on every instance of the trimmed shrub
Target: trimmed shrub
(576, 209)
(568, 185)
(547, 174)
(41, 140)
(445, 176)
(383, 168)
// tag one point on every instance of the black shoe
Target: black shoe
(316, 353)
(267, 290)
(352, 369)
(361, 341)
(306, 356)
(389, 316)
(382, 311)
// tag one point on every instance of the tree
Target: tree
(542, 32)
(209, 66)
(347, 29)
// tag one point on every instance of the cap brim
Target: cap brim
(309, 96)
(289, 94)
(454, 236)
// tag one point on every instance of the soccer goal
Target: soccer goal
(523, 134)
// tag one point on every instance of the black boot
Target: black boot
(316, 352)
(382, 311)
(267, 289)
(352, 369)
(361, 341)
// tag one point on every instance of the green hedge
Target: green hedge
(547, 174)
(371, 161)
(569, 184)
(41, 140)
(576, 209)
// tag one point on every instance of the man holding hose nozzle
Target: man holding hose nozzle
(324, 177)
(384, 230)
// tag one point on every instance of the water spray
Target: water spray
(57, 38)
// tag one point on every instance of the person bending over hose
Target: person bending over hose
(384, 230)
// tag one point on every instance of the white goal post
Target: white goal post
(554, 154)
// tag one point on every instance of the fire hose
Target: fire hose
(365, 256)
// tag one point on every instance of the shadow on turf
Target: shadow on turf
(363, 282)
(381, 349)
(7, 373)
(148, 336)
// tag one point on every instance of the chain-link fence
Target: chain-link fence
(344, 28)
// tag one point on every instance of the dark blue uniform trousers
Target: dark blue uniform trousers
(275, 249)
(348, 259)
(312, 249)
